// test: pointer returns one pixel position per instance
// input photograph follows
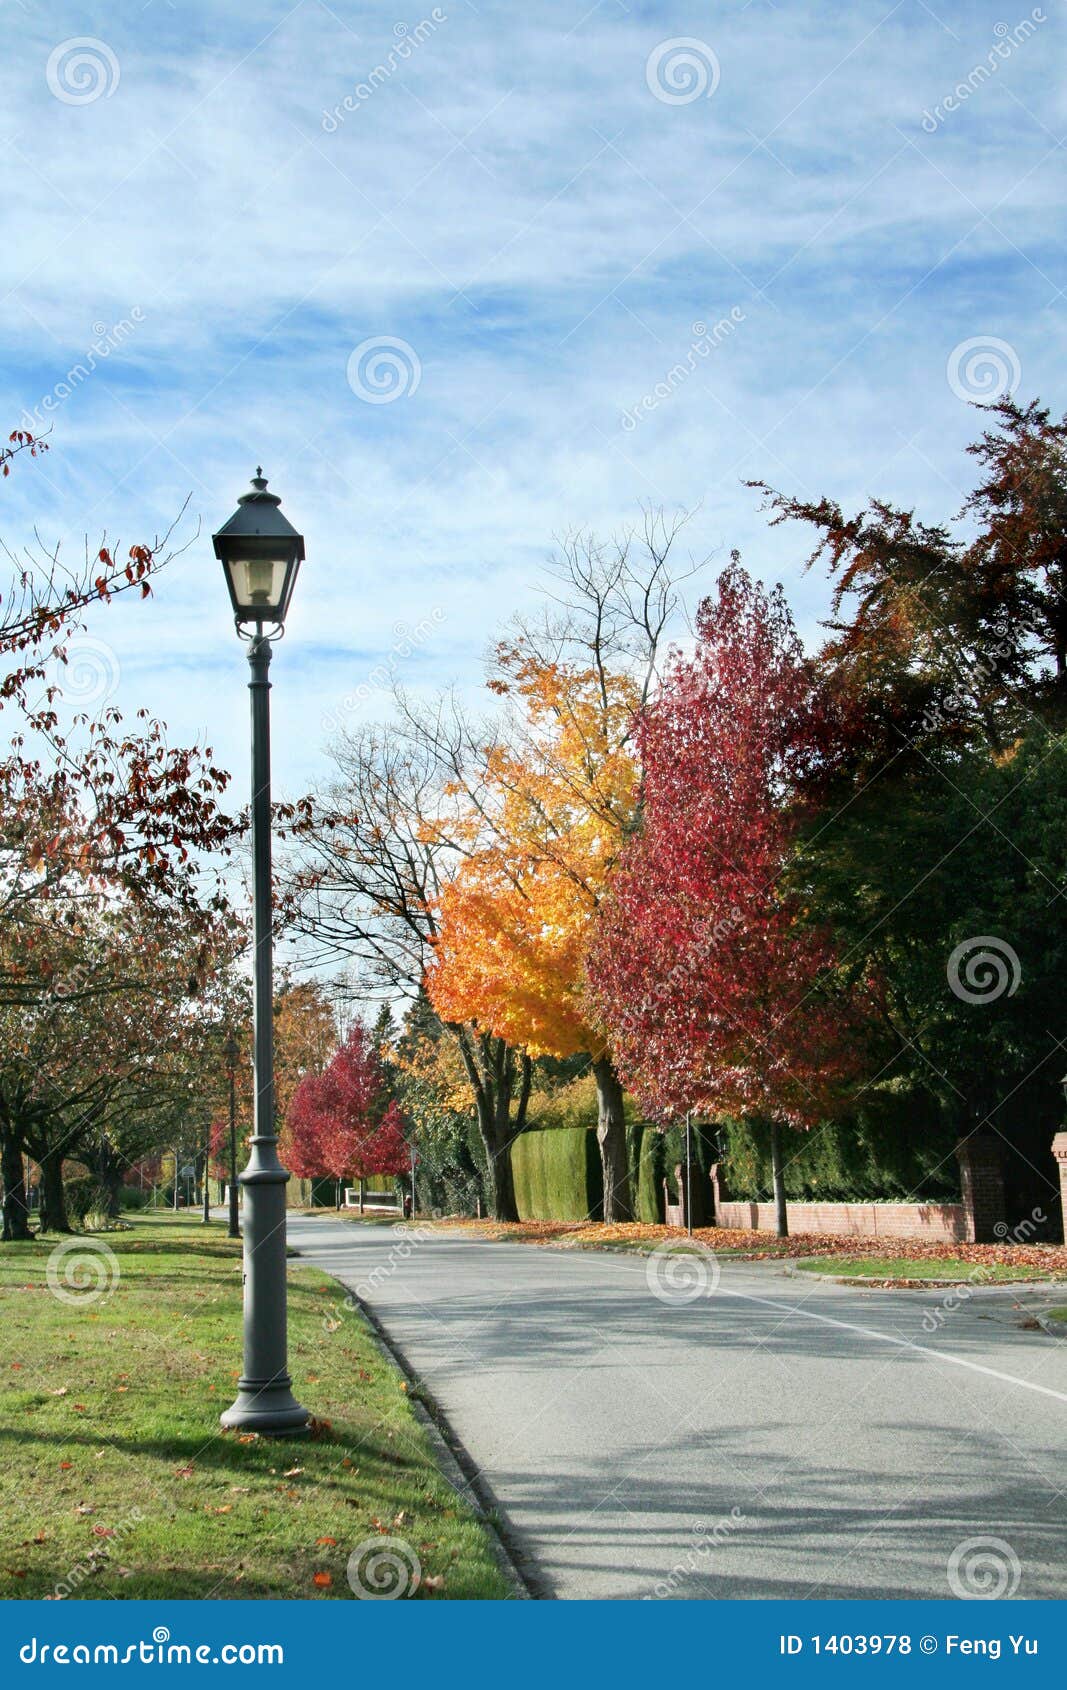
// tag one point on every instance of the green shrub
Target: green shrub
(132, 1197)
(557, 1174)
(82, 1196)
(649, 1164)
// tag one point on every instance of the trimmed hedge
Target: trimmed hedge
(557, 1174)
(897, 1147)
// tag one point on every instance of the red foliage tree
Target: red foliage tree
(716, 991)
(387, 1151)
(334, 1115)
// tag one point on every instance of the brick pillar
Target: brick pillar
(1059, 1150)
(982, 1185)
(720, 1191)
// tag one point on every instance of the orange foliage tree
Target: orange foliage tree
(542, 812)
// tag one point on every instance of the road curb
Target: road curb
(457, 1467)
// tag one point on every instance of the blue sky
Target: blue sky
(549, 208)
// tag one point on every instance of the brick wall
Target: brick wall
(941, 1222)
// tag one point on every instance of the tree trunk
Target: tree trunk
(611, 1135)
(53, 1202)
(107, 1166)
(778, 1180)
(490, 1067)
(501, 1182)
(16, 1205)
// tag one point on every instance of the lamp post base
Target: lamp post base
(270, 1408)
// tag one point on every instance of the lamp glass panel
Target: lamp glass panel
(258, 583)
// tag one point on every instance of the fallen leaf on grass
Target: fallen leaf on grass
(84, 1508)
(434, 1582)
(184, 1472)
(331, 1541)
(240, 1490)
(323, 1580)
(63, 1465)
(103, 1531)
(61, 1392)
(291, 1472)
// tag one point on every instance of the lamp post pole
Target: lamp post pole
(689, 1172)
(205, 1190)
(234, 1229)
(265, 1401)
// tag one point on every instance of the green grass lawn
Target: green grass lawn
(921, 1267)
(117, 1480)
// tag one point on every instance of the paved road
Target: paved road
(778, 1437)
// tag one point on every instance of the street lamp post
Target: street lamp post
(261, 553)
(232, 1054)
